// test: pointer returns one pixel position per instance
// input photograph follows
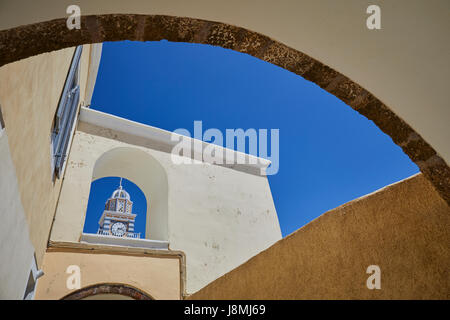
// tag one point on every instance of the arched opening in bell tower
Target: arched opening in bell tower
(123, 220)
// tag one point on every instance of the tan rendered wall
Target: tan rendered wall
(29, 94)
(159, 277)
(403, 228)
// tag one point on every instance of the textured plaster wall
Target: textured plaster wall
(159, 277)
(219, 217)
(29, 95)
(15, 246)
(403, 228)
(405, 64)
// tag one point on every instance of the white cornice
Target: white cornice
(160, 136)
(124, 241)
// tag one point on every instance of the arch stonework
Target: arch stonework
(108, 288)
(26, 41)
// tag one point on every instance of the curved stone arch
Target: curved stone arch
(25, 41)
(149, 175)
(109, 289)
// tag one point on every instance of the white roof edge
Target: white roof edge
(95, 56)
(125, 242)
(109, 121)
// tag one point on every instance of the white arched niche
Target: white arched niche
(149, 175)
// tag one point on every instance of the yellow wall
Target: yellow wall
(403, 228)
(29, 94)
(155, 275)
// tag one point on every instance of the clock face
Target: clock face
(118, 229)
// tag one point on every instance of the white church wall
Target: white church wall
(16, 250)
(218, 216)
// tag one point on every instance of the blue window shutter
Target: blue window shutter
(65, 115)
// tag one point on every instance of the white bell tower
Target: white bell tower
(118, 218)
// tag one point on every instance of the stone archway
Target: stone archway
(104, 289)
(25, 41)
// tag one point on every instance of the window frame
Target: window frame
(65, 117)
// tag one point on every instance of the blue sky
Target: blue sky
(329, 154)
